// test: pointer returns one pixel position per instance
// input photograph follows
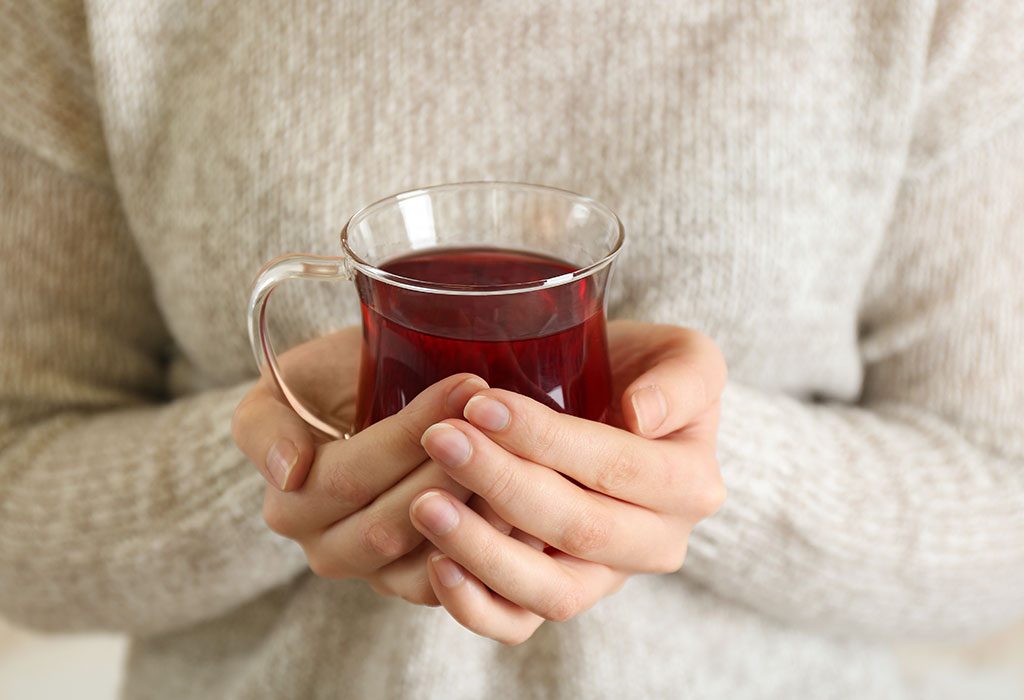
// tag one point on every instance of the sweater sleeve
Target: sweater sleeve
(901, 516)
(120, 509)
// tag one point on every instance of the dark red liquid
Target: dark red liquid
(548, 344)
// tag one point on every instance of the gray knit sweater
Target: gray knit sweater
(833, 191)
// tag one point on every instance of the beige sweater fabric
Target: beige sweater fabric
(833, 191)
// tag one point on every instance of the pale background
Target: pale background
(88, 667)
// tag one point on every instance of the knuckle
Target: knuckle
(324, 565)
(277, 518)
(236, 424)
(590, 532)
(380, 588)
(682, 340)
(566, 603)
(503, 487)
(671, 478)
(489, 555)
(680, 335)
(478, 621)
(545, 437)
(713, 361)
(408, 424)
(623, 469)
(514, 638)
(670, 561)
(701, 387)
(240, 420)
(341, 486)
(427, 599)
(419, 592)
(380, 540)
(427, 400)
(720, 365)
(715, 358)
(710, 498)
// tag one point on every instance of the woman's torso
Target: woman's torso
(753, 151)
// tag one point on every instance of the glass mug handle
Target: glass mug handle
(285, 267)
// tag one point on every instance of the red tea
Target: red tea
(548, 344)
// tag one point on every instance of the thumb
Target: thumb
(278, 442)
(686, 379)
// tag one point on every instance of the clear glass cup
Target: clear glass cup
(506, 280)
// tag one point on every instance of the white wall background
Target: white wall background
(58, 668)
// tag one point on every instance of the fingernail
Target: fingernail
(436, 513)
(487, 413)
(460, 395)
(447, 571)
(650, 407)
(281, 458)
(446, 444)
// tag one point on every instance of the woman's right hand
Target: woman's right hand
(346, 502)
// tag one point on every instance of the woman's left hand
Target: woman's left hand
(570, 508)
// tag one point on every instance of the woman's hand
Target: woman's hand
(608, 500)
(347, 501)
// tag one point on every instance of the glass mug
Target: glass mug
(501, 279)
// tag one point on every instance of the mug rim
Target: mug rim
(413, 284)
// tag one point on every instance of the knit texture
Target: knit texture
(833, 191)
